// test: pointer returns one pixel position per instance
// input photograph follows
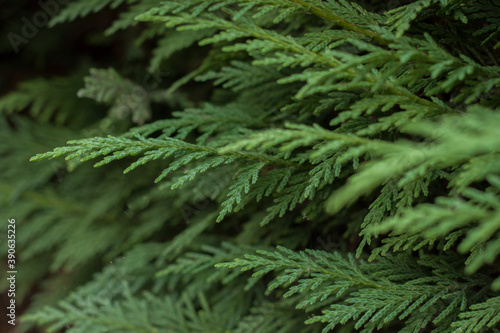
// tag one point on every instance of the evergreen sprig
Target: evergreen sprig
(399, 289)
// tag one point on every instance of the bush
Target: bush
(264, 166)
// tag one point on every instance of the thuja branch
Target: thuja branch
(328, 15)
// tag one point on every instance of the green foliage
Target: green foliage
(345, 152)
(419, 292)
(126, 97)
(481, 315)
(47, 100)
(84, 8)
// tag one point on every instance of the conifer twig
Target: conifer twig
(320, 12)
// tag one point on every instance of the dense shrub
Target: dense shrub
(264, 165)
